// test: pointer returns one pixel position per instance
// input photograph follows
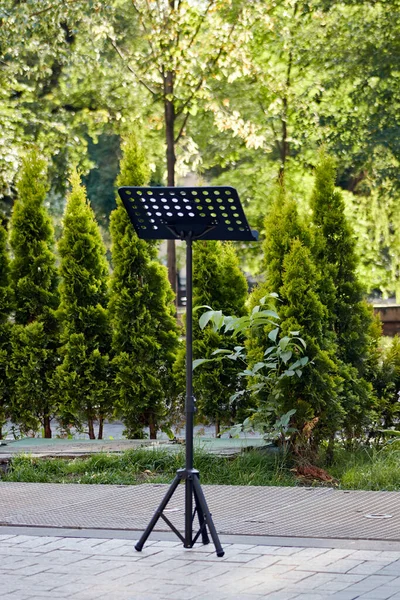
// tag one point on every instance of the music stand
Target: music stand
(188, 214)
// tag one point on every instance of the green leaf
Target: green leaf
(200, 361)
(284, 342)
(269, 350)
(286, 356)
(202, 306)
(205, 318)
(288, 373)
(273, 334)
(266, 313)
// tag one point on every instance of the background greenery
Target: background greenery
(294, 103)
(257, 87)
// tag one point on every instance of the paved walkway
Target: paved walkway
(45, 567)
(95, 559)
(41, 447)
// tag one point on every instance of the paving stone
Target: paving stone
(378, 594)
(392, 569)
(99, 569)
(345, 595)
(281, 596)
(367, 568)
(342, 565)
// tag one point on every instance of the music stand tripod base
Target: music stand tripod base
(189, 214)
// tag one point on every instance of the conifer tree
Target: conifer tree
(350, 317)
(217, 282)
(35, 338)
(5, 328)
(316, 393)
(291, 273)
(282, 226)
(83, 375)
(145, 334)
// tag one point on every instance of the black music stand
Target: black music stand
(207, 213)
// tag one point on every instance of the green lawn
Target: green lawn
(152, 466)
(364, 469)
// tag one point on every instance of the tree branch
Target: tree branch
(192, 95)
(203, 16)
(43, 10)
(141, 19)
(140, 80)
(185, 120)
(212, 64)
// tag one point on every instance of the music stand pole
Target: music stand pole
(189, 408)
(209, 213)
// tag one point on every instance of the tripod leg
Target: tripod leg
(157, 514)
(207, 516)
(202, 522)
(188, 512)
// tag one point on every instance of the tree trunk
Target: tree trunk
(1, 433)
(101, 428)
(217, 428)
(169, 111)
(47, 428)
(284, 145)
(153, 428)
(91, 428)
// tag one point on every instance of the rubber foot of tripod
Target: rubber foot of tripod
(138, 548)
(220, 554)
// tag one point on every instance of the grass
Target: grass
(363, 469)
(368, 468)
(151, 466)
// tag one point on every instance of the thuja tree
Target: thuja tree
(35, 338)
(145, 335)
(290, 273)
(350, 317)
(83, 375)
(5, 328)
(219, 283)
(315, 395)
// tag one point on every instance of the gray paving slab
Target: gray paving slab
(252, 510)
(38, 568)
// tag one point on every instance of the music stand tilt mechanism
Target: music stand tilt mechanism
(188, 214)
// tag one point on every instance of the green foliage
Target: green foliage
(387, 385)
(282, 225)
(291, 272)
(152, 466)
(282, 359)
(5, 327)
(217, 282)
(34, 360)
(315, 396)
(33, 271)
(35, 337)
(145, 334)
(375, 468)
(83, 376)
(349, 316)
(100, 181)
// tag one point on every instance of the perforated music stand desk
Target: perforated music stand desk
(167, 213)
